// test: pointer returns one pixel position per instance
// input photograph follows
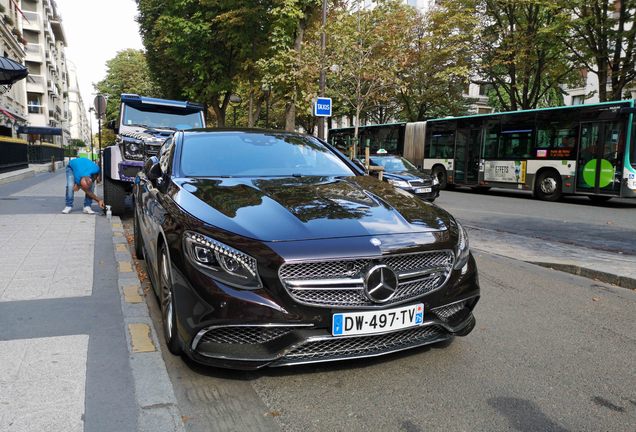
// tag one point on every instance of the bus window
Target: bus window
(441, 145)
(515, 137)
(491, 141)
(557, 136)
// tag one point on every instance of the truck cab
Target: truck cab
(144, 124)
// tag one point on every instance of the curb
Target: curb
(156, 401)
(621, 281)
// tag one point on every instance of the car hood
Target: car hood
(288, 209)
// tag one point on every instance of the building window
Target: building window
(578, 100)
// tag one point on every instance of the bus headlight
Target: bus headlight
(462, 250)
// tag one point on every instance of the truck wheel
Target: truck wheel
(548, 186)
(114, 196)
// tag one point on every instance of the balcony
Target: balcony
(32, 21)
(36, 84)
(34, 53)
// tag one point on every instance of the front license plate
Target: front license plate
(423, 190)
(357, 323)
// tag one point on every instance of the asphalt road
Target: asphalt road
(610, 226)
(550, 352)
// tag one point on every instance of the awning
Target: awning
(35, 130)
(7, 113)
(11, 71)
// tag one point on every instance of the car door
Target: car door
(151, 215)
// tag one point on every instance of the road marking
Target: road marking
(120, 247)
(43, 384)
(131, 294)
(51, 256)
(140, 338)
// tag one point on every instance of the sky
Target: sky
(95, 30)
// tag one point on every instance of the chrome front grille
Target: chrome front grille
(340, 283)
(152, 150)
(340, 348)
(244, 335)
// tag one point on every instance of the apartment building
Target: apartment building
(13, 103)
(47, 83)
(79, 123)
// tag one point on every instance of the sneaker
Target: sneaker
(88, 210)
(67, 210)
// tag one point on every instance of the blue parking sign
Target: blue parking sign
(322, 107)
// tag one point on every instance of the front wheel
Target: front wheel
(168, 312)
(548, 186)
(114, 196)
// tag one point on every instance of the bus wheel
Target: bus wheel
(440, 173)
(548, 186)
(599, 198)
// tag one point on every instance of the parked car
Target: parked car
(272, 248)
(403, 174)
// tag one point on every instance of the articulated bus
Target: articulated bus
(575, 150)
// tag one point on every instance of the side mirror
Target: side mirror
(152, 168)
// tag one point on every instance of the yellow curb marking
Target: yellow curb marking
(140, 338)
(118, 234)
(131, 294)
(116, 225)
(120, 247)
(125, 267)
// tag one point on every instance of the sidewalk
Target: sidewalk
(75, 354)
(617, 269)
(33, 169)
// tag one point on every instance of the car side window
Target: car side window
(165, 156)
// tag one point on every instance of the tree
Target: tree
(522, 52)
(127, 72)
(601, 38)
(366, 48)
(440, 62)
(198, 49)
(285, 71)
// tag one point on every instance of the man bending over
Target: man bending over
(81, 173)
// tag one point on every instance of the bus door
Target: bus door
(600, 157)
(467, 156)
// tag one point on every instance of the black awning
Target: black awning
(36, 130)
(11, 71)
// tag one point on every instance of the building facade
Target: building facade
(79, 123)
(13, 103)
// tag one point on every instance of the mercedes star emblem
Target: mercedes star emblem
(380, 283)
(375, 242)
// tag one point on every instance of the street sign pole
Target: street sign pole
(100, 111)
(323, 46)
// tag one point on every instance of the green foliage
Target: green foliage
(77, 143)
(521, 51)
(127, 72)
(601, 37)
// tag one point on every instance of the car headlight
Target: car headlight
(462, 250)
(224, 263)
(399, 183)
(133, 149)
(435, 181)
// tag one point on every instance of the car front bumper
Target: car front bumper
(238, 329)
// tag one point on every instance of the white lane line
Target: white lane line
(43, 384)
(46, 256)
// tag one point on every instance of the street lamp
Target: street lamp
(323, 78)
(235, 100)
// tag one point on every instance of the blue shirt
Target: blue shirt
(83, 167)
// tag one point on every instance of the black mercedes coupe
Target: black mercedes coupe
(269, 248)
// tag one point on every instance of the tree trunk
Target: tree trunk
(220, 108)
(250, 118)
(602, 79)
(290, 116)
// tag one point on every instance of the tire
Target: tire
(114, 196)
(166, 299)
(547, 186)
(139, 250)
(440, 173)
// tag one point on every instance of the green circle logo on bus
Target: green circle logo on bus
(606, 176)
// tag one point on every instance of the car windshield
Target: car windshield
(243, 154)
(162, 118)
(393, 164)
